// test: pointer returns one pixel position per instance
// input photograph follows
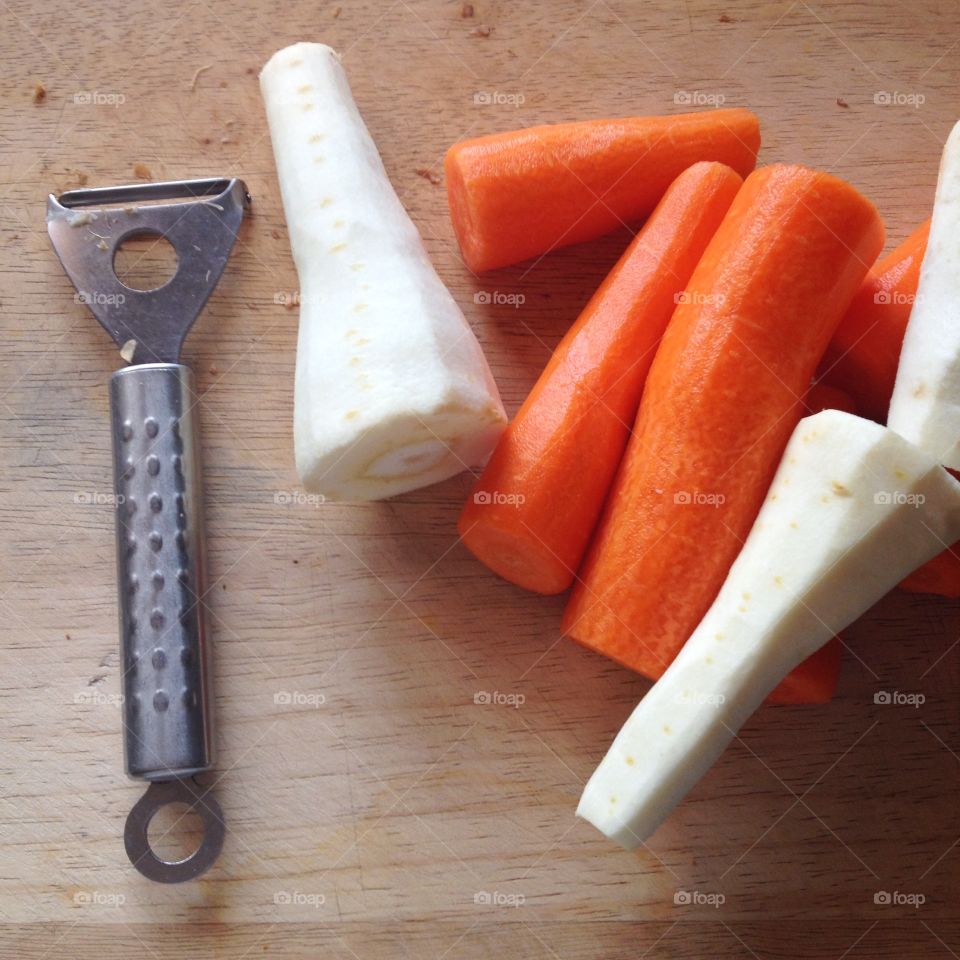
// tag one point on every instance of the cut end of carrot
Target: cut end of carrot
(511, 553)
(652, 663)
(461, 212)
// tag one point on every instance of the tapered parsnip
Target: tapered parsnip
(852, 509)
(392, 389)
(925, 407)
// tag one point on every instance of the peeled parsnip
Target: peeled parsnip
(925, 407)
(392, 389)
(852, 510)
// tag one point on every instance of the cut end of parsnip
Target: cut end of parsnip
(392, 388)
(400, 454)
(925, 407)
(852, 510)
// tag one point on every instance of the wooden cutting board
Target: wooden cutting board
(375, 808)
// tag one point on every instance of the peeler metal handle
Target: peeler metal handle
(167, 707)
(160, 572)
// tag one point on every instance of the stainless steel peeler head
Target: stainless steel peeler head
(202, 233)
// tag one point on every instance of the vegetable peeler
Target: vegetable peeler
(167, 696)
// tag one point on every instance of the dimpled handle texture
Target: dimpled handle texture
(160, 565)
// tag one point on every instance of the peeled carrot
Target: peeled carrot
(723, 394)
(520, 194)
(863, 356)
(538, 499)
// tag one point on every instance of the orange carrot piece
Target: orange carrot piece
(814, 680)
(520, 194)
(722, 397)
(941, 575)
(863, 356)
(538, 499)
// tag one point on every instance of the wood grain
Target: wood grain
(383, 804)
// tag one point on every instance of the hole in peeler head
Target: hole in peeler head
(145, 260)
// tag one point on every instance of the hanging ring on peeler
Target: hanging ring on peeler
(201, 802)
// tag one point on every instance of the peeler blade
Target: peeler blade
(202, 231)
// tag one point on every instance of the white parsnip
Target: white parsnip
(852, 510)
(392, 389)
(925, 407)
